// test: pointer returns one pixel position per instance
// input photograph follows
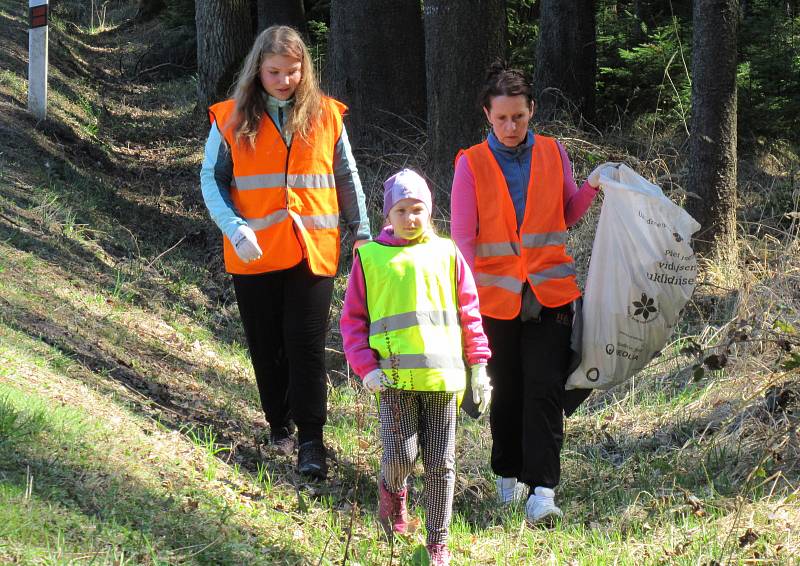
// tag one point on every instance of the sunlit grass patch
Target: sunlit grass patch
(94, 492)
(16, 85)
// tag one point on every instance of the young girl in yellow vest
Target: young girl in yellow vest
(277, 178)
(412, 328)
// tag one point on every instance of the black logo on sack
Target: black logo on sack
(621, 352)
(593, 374)
(644, 308)
(678, 237)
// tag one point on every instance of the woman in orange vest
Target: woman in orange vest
(277, 177)
(513, 198)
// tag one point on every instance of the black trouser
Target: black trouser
(528, 370)
(285, 318)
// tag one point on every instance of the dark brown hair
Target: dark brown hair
(504, 81)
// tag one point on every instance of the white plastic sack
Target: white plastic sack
(641, 274)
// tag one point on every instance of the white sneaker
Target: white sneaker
(509, 490)
(541, 507)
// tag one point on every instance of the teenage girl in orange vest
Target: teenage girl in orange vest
(277, 177)
(513, 198)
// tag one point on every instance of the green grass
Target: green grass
(91, 127)
(92, 496)
(206, 441)
(107, 500)
(17, 84)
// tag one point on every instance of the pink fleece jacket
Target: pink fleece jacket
(464, 204)
(354, 323)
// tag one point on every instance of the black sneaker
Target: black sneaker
(282, 444)
(281, 439)
(311, 460)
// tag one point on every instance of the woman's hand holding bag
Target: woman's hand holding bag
(604, 170)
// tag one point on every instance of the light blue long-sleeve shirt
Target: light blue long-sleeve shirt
(515, 163)
(216, 174)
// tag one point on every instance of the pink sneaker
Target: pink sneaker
(439, 554)
(392, 511)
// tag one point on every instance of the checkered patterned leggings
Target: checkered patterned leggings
(426, 420)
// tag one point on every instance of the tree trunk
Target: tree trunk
(223, 39)
(462, 37)
(712, 143)
(376, 65)
(566, 59)
(284, 12)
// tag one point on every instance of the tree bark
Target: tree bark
(566, 59)
(376, 65)
(462, 37)
(712, 141)
(223, 39)
(283, 12)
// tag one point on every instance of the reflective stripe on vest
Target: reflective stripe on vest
(281, 181)
(546, 239)
(555, 272)
(506, 258)
(497, 249)
(287, 195)
(310, 222)
(510, 284)
(415, 327)
(409, 319)
(416, 361)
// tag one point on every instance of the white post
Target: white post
(37, 58)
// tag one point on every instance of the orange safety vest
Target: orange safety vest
(506, 258)
(287, 195)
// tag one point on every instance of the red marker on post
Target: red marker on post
(37, 58)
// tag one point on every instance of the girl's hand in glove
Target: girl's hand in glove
(376, 381)
(481, 388)
(246, 244)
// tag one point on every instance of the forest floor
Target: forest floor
(130, 428)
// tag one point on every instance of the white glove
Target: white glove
(481, 388)
(246, 244)
(603, 169)
(376, 381)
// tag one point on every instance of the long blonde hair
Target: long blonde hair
(249, 94)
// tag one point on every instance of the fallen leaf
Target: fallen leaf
(748, 538)
(413, 525)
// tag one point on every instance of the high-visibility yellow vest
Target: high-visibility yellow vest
(286, 195)
(413, 310)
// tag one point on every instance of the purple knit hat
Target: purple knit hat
(405, 184)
